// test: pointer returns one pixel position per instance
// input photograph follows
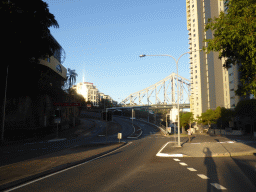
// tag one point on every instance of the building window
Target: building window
(193, 15)
(194, 35)
(194, 25)
(194, 45)
(195, 71)
(195, 66)
(196, 76)
(194, 30)
(197, 104)
(192, 6)
(194, 20)
(195, 55)
(192, 10)
(231, 89)
(231, 74)
(231, 82)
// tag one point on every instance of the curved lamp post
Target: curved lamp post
(176, 61)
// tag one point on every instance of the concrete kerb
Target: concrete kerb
(56, 169)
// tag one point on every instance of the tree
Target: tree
(71, 78)
(235, 40)
(247, 109)
(186, 119)
(26, 37)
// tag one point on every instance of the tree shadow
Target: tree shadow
(211, 170)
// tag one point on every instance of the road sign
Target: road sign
(169, 129)
(57, 120)
(119, 136)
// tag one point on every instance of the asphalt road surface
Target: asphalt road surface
(135, 167)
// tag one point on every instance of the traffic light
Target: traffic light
(109, 116)
(103, 116)
(57, 113)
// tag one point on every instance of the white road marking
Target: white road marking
(168, 155)
(203, 176)
(176, 159)
(218, 186)
(183, 164)
(56, 140)
(163, 147)
(191, 169)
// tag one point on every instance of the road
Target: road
(135, 167)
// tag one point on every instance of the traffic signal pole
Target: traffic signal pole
(106, 125)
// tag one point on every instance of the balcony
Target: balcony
(189, 33)
(189, 38)
(190, 42)
(190, 57)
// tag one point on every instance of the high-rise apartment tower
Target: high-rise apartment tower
(209, 80)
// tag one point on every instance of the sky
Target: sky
(104, 38)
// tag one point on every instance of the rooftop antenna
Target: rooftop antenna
(83, 77)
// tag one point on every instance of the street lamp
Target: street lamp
(177, 61)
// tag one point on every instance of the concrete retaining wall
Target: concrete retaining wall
(224, 132)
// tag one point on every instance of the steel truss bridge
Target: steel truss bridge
(165, 93)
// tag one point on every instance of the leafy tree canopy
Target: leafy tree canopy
(26, 37)
(235, 39)
(246, 108)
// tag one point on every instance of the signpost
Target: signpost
(119, 136)
(57, 119)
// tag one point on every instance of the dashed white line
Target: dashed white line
(183, 164)
(218, 186)
(191, 169)
(176, 159)
(203, 176)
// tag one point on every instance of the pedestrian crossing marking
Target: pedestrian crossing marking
(176, 159)
(191, 169)
(218, 186)
(183, 164)
(203, 176)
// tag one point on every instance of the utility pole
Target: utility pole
(3, 120)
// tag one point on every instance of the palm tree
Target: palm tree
(71, 78)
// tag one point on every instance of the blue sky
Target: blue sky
(104, 38)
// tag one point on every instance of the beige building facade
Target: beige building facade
(89, 91)
(209, 80)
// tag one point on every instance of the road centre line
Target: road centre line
(176, 159)
(25, 184)
(183, 164)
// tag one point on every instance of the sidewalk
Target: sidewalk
(209, 146)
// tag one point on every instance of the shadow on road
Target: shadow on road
(211, 169)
